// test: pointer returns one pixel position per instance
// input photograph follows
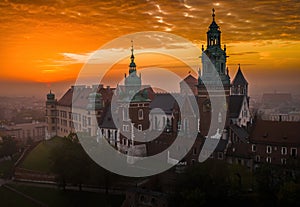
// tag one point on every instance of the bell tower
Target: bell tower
(213, 64)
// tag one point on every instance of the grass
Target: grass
(54, 197)
(39, 158)
(11, 199)
(6, 166)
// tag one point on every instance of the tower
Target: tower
(133, 109)
(51, 115)
(239, 84)
(132, 81)
(213, 57)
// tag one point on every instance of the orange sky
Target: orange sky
(48, 41)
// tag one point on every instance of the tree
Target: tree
(8, 147)
(70, 163)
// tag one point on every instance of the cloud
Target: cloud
(244, 53)
(258, 19)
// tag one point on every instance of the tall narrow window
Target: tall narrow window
(269, 149)
(283, 150)
(141, 114)
(125, 114)
(140, 127)
(253, 148)
(294, 152)
(222, 68)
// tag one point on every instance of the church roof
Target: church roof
(190, 79)
(235, 105)
(239, 78)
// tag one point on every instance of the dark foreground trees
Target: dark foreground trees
(73, 166)
(217, 183)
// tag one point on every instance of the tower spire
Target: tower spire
(132, 55)
(132, 66)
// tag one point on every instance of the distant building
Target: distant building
(276, 99)
(23, 133)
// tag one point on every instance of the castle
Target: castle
(134, 114)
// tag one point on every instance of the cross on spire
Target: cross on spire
(213, 14)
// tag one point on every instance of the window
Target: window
(141, 114)
(220, 155)
(193, 161)
(268, 159)
(257, 158)
(283, 161)
(125, 114)
(125, 128)
(253, 148)
(140, 127)
(294, 152)
(283, 150)
(269, 149)
(194, 151)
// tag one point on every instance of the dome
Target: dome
(50, 96)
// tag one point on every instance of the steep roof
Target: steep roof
(276, 132)
(190, 79)
(164, 101)
(80, 94)
(66, 99)
(235, 105)
(240, 132)
(239, 78)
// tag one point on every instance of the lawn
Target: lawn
(11, 199)
(39, 158)
(6, 167)
(54, 197)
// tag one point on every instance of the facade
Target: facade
(89, 101)
(270, 142)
